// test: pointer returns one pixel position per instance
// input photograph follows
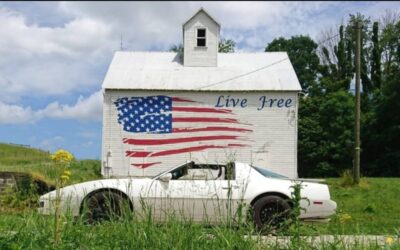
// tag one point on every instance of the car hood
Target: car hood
(84, 188)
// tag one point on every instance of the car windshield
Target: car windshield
(170, 170)
(268, 173)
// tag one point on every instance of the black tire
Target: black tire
(270, 213)
(102, 206)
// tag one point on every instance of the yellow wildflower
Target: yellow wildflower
(64, 178)
(62, 156)
(344, 218)
(389, 240)
(67, 173)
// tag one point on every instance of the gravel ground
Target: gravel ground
(347, 240)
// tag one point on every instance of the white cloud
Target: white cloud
(12, 114)
(72, 57)
(38, 60)
(87, 144)
(85, 109)
(149, 25)
(81, 36)
(42, 61)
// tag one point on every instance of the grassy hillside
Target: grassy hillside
(14, 155)
(37, 162)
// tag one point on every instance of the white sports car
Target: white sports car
(200, 192)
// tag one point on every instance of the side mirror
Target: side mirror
(166, 177)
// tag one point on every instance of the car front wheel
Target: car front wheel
(104, 206)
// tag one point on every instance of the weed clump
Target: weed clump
(346, 178)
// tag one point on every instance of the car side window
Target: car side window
(207, 172)
(179, 173)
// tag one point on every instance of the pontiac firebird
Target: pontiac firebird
(200, 192)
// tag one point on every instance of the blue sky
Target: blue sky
(54, 55)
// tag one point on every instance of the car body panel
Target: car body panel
(197, 200)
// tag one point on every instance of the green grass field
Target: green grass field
(371, 208)
(38, 163)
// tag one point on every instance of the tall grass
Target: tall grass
(132, 230)
(29, 230)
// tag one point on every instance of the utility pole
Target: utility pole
(356, 166)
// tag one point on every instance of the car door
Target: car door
(195, 198)
(214, 200)
(227, 200)
(186, 196)
(163, 197)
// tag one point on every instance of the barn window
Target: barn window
(201, 37)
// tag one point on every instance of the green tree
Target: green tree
(365, 49)
(382, 149)
(302, 54)
(390, 46)
(339, 66)
(344, 64)
(176, 48)
(376, 71)
(226, 46)
(325, 134)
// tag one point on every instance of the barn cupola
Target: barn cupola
(200, 40)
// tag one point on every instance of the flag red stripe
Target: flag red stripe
(185, 130)
(173, 151)
(203, 119)
(238, 145)
(201, 110)
(136, 153)
(145, 165)
(178, 99)
(149, 142)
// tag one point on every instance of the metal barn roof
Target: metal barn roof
(270, 71)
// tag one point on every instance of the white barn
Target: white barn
(160, 111)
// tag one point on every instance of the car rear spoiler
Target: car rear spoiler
(310, 180)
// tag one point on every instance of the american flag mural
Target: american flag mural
(162, 126)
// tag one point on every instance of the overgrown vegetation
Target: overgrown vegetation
(38, 163)
(369, 208)
(23, 196)
(29, 230)
(38, 175)
(326, 115)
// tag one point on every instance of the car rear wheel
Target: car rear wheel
(270, 213)
(106, 205)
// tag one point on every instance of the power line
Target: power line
(264, 67)
(329, 38)
(245, 74)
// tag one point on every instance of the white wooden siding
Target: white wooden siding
(201, 56)
(274, 130)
